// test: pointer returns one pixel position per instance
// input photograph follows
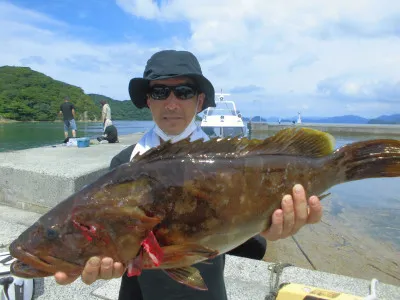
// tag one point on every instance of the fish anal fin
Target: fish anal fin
(189, 276)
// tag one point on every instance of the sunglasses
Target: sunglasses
(182, 91)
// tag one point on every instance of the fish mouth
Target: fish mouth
(23, 270)
(29, 265)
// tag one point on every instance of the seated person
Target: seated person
(110, 134)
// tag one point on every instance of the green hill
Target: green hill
(123, 110)
(27, 95)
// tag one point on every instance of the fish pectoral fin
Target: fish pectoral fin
(189, 276)
(177, 254)
(153, 248)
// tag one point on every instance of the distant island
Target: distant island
(28, 95)
(346, 119)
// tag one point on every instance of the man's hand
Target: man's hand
(95, 269)
(295, 213)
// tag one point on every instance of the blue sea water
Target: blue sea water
(375, 201)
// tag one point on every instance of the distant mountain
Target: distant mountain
(347, 119)
(258, 119)
(28, 95)
(386, 119)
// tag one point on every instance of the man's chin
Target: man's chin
(173, 127)
(169, 132)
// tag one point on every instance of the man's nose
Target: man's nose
(172, 102)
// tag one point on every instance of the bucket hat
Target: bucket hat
(169, 64)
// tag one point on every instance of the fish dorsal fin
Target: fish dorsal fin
(215, 147)
(290, 141)
(298, 141)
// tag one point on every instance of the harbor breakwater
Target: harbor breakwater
(339, 129)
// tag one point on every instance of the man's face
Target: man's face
(173, 115)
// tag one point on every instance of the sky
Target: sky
(275, 58)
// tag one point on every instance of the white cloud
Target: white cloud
(311, 55)
(141, 8)
(95, 68)
(289, 47)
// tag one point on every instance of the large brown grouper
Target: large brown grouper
(182, 203)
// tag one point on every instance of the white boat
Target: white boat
(298, 118)
(224, 120)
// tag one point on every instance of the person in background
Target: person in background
(67, 110)
(110, 134)
(175, 90)
(105, 114)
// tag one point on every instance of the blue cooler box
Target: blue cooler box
(83, 142)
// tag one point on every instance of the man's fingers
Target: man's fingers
(275, 231)
(63, 279)
(91, 271)
(106, 268)
(315, 209)
(300, 207)
(288, 216)
(118, 270)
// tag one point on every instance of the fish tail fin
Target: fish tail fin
(367, 159)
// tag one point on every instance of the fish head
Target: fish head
(106, 218)
(55, 242)
(66, 237)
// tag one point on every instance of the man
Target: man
(105, 114)
(67, 109)
(175, 90)
(110, 134)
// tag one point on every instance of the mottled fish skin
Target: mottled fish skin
(199, 199)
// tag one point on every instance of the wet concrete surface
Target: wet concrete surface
(335, 245)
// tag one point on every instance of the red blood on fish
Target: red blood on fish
(152, 247)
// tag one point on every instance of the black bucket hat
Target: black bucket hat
(169, 64)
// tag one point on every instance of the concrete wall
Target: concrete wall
(38, 191)
(38, 179)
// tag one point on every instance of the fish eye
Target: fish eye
(51, 233)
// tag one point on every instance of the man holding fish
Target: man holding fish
(175, 90)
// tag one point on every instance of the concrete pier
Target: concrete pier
(38, 179)
(372, 129)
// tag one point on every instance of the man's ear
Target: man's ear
(200, 101)
(148, 100)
